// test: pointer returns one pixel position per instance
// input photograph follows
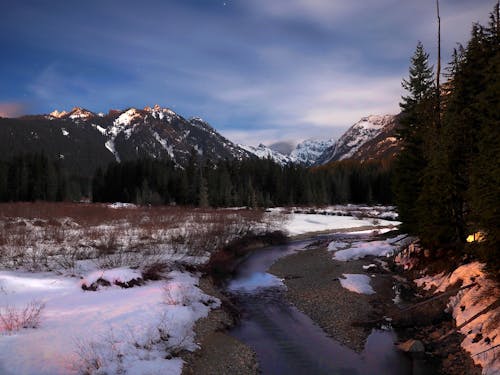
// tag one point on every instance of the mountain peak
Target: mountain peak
(57, 114)
(79, 113)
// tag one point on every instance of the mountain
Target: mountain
(264, 152)
(308, 152)
(373, 137)
(84, 140)
(305, 153)
(283, 147)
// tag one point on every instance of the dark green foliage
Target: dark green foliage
(417, 112)
(252, 183)
(32, 177)
(455, 160)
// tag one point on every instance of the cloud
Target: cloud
(259, 71)
(13, 109)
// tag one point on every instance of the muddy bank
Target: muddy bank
(219, 353)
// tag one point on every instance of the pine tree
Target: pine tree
(416, 118)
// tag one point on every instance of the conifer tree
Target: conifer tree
(415, 119)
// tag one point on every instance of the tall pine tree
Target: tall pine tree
(416, 116)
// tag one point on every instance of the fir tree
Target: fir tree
(415, 119)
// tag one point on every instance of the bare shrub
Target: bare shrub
(176, 294)
(14, 319)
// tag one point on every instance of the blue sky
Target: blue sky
(257, 70)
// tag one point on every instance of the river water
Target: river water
(289, 342)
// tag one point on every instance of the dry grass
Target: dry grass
(14, 319)
(49, 236)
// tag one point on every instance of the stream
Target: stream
(289, 342)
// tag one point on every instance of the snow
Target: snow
(125, 119)
(356, 283)
(164, 144)
(310, 150)
(255, 281)
(122, 205)
(337, 245)
(110, 145)
(264, 152)
(362, 249)
(57, 114)
(121, 327)
(357, 135)
(304, 223)
(80, 113)
(64, 132)
(100, 129)
(469, 302)
(123, 275)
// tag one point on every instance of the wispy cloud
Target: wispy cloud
(13, 109)
(259, 70)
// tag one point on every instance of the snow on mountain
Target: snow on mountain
(356, 137)
(309, 151)
(306, 153)
(57, 114)
(264, 152)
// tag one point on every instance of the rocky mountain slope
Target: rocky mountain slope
(84, 140)
(372, 137)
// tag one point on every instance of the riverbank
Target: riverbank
(219, 353)
(312, 279)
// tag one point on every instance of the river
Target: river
(289, 342)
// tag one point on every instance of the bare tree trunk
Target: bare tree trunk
(438, 73)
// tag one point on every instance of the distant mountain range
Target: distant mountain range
(84, 140)
(373, 137)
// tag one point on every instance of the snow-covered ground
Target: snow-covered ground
(45, 262)
(357, 283)
(301, 223)
(482, 334)
(137, 329)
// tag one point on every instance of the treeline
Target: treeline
(447, 179)
(252, 183)
(32, 177)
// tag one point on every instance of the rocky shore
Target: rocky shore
(312, 280)
(219, 352)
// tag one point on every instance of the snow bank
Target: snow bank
(132, 329)
(357, 283)
(305, 223)
(121, 275)
(360, 250)
(483, 332)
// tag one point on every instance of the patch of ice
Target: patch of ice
(337, 245)
(255, 281)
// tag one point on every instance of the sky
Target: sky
(259, 71)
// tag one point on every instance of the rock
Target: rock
(412, 346)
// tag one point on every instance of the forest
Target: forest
(447, 178)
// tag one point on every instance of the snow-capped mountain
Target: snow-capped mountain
(264, 152)
(305, 153)
(308, 152)
(352, 144)
(84, 140)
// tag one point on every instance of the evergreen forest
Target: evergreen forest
(447, 178)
